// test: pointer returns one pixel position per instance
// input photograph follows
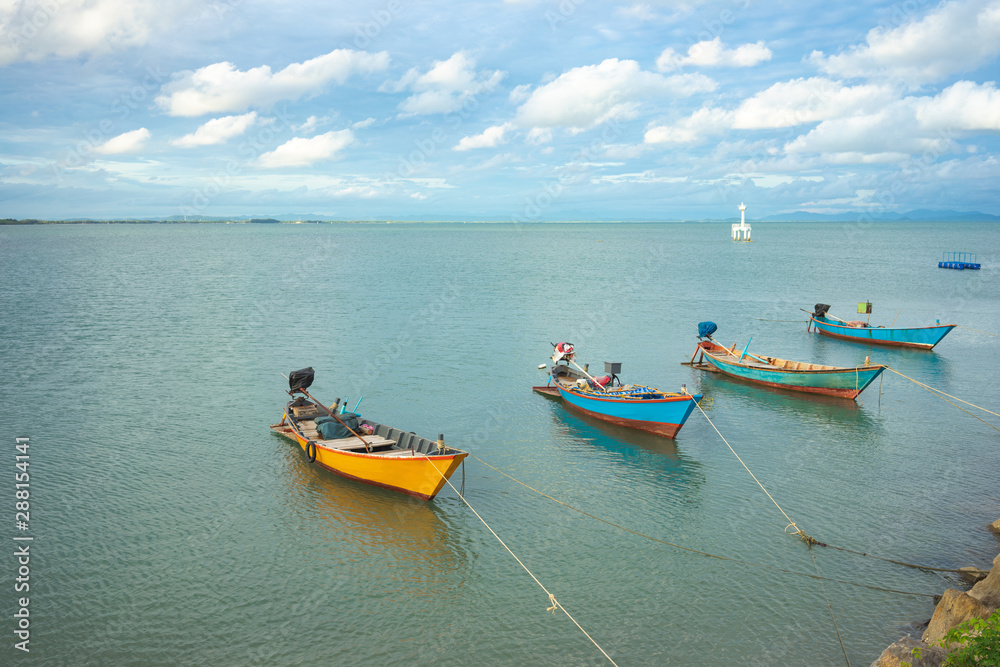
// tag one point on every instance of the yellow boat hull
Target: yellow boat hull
(419, 475)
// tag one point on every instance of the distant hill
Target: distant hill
(918, 215)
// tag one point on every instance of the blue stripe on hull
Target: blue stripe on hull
(655, 415)
(925, 337)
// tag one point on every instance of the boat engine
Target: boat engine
(300, 379)
(563, 352)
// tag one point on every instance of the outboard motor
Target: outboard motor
(819, 310)
(300, 379)
(563, 351)
(706, 329)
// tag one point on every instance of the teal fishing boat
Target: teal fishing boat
(861, 331)
(842, 381)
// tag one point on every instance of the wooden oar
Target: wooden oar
(329, 412)
(599, 385)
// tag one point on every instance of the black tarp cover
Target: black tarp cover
(301, 379)
(820, 309)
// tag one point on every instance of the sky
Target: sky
(508, 110)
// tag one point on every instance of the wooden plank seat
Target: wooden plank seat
(353, 443)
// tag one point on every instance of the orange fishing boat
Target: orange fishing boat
(363, 449)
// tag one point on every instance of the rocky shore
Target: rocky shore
(955, 607)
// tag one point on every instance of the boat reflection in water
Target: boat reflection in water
(787, 408)
(368, 530)
(647, 458)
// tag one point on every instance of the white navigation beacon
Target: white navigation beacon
(741, 232)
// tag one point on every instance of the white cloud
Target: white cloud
(539, 135)
(217, 131)
(520, 93)
(222, 87)
(128, 142)
(361, 124)
(784, 104)
(301, 152)
(445, 87)
(712, 53)
(308, 126)
(962, 106)
(703, 122)
(800, 101)
(489, 138)
(910, 126)
(640, 177)
(587, 96)
(625, 151)
(32, 30)
(638, 12)
(955, 37)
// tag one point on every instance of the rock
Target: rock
(954, 608)
(973, 575)
(901, 651)
(987, 591)
(995, 526)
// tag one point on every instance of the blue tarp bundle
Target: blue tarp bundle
(706, 329)
(330, 429)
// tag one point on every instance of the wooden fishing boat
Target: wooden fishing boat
(634, 406)
(861, 332)
(845, 382)
(365, 450)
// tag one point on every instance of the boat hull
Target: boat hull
(660, 416)
(841, 382)
(421, 476)
(919, 337)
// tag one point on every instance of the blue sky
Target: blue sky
(497, 110)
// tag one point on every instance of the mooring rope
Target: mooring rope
(798, 531)
(915, 566)
(938, 391)
(696, 551)
(830, 607)
(978, 331)
(552, 598)
(791, 524)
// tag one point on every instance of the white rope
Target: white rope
(552, 598)
(791, 524)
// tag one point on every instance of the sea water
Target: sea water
(171, 526)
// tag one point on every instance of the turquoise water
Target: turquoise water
(172, 527)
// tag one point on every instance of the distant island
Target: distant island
(918, 215)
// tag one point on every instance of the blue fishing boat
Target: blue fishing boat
(842, 381)
(634, 406)
(861, 332)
